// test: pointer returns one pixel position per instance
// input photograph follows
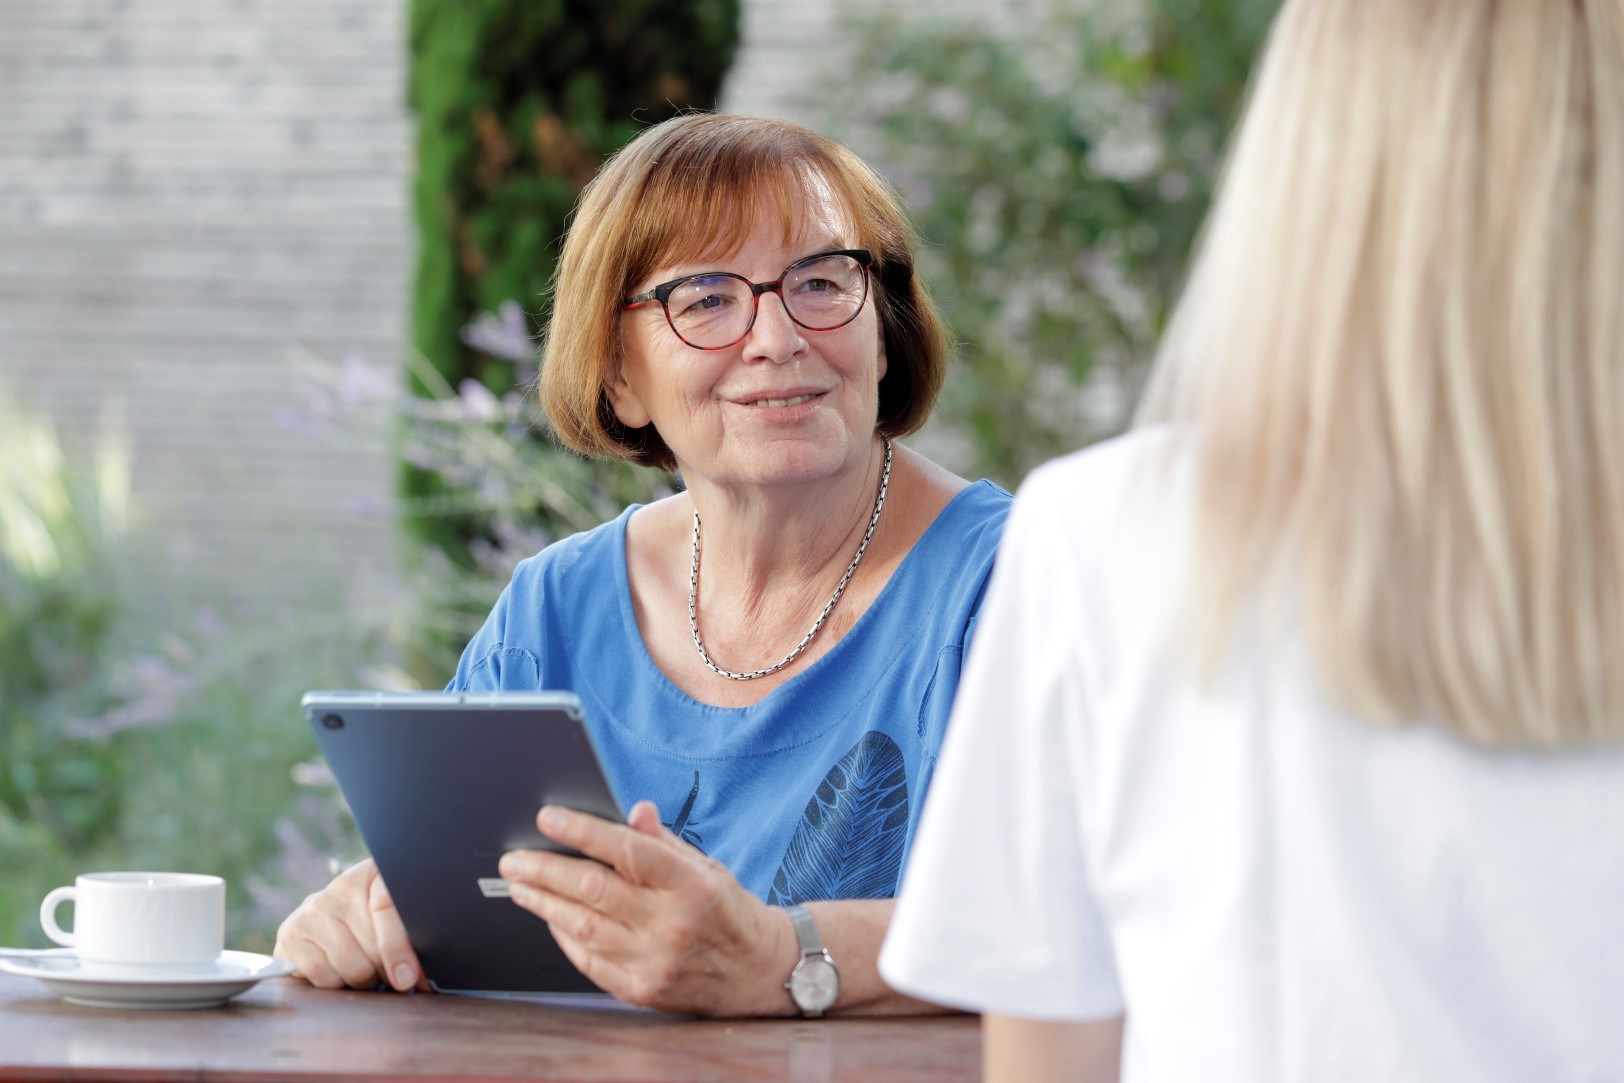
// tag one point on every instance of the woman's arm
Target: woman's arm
(1028, 1051)
(852, 930)
(654, 921)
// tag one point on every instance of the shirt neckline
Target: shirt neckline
(859, 630)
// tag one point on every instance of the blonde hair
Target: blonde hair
(1401, 356)
(689, 188)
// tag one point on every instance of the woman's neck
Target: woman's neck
(750, 618)
(759, 542)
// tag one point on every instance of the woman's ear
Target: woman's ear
(628, 407)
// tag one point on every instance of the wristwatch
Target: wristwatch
(814, 984)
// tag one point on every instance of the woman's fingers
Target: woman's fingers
(639, 857)
(583, 881)
(644, 915)
(593, 929)
(307, 960)
(617, 959)
(607, 974)
(350, 958)
(349, 934)
(644, 818)
(396, 959)
(323, 948)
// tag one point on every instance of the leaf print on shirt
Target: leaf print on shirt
(850, 842)
(679, 827)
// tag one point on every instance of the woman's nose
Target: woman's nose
(774, 336)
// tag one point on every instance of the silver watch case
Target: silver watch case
(814, 984)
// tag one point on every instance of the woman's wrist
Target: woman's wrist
(781, 953)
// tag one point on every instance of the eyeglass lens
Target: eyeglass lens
(717, 310)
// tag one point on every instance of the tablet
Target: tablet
(441, 785)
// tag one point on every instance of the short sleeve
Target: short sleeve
(996, 911)
(491, 662)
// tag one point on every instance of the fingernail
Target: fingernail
(405, 977)
(551, 819)
(504, 867)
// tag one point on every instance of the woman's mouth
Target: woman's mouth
(794, 400)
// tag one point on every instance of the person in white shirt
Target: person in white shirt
(1291, 745)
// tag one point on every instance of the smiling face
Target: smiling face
(784, 405)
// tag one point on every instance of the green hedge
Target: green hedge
(517, 102)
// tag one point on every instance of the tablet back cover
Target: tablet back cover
(441, 785)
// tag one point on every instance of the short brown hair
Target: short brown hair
(693, 184)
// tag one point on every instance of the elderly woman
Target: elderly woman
(1292, 744)
(768, 657)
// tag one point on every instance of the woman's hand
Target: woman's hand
(348, 934)
(653, 920)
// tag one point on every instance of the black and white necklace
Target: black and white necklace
(693, 589)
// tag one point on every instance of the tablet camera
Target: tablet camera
(332, 722)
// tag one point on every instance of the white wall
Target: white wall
(789, 46)
(188, 189)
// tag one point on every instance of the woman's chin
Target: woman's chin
(785, 461)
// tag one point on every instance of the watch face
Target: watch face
(815, 984)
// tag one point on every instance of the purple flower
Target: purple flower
(505, 334)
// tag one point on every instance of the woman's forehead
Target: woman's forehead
(794, 213)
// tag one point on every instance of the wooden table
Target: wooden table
(284, 1029)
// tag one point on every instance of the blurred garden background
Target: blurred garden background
(270, 279)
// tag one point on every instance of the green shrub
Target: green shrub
(1059, 176)
(491, 459)
(518, 101)
(58, 529)
(131, 740)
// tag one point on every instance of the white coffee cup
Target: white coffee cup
(141, 920)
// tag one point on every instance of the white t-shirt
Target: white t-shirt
(1271, 889)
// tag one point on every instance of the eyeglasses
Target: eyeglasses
(715, 310)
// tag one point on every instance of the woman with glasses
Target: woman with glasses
(1292, 744)
(768, 657)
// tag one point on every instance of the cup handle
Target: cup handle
(47, 914)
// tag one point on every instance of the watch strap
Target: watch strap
(806, 930)
(815, 963)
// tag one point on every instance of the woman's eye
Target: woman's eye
(704, 305)
(703, 298)
(816, 285)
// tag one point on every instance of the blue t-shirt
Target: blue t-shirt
(812, 793)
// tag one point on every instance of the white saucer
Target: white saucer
(98, 987)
